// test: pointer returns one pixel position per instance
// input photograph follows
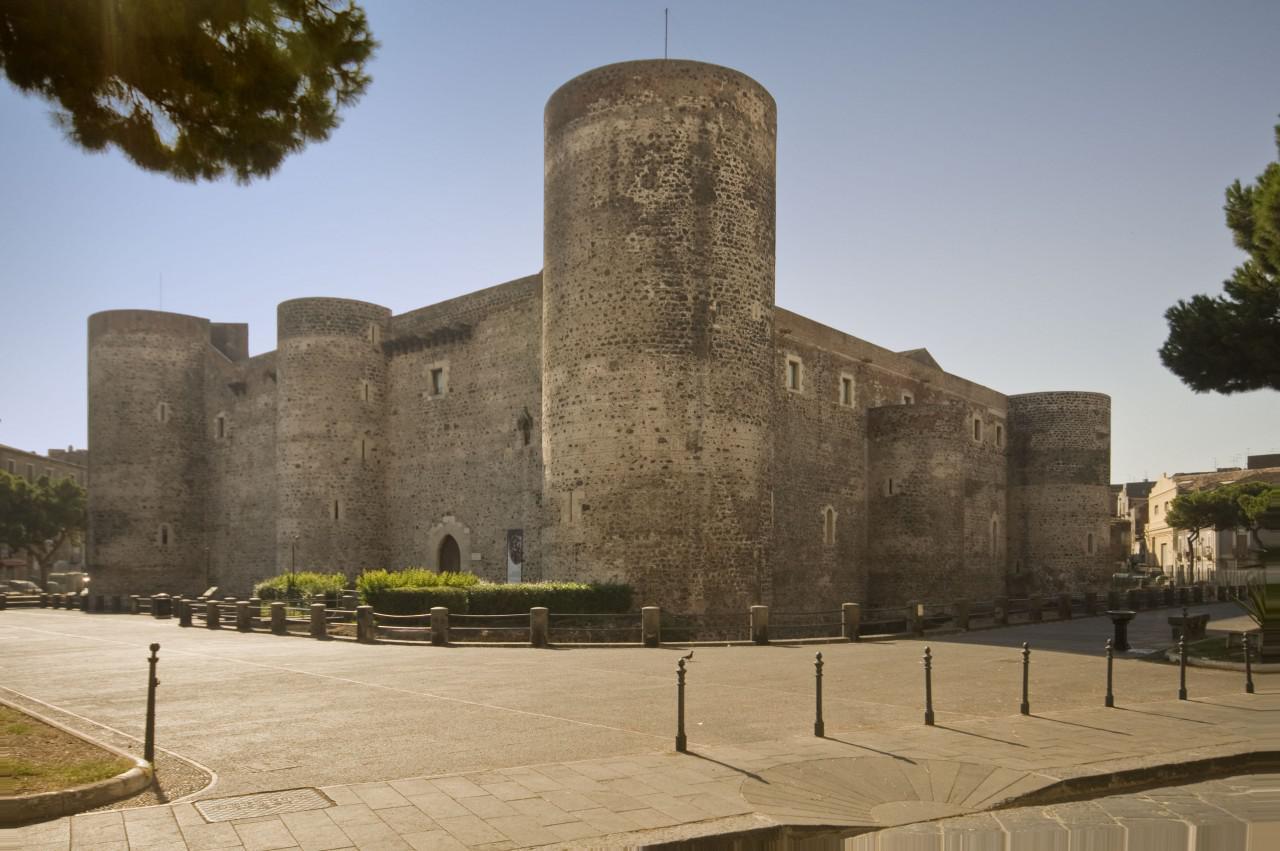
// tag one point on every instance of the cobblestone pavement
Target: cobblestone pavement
(605, 718)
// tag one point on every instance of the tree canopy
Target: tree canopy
(37, 518)
(195, 89)
(1231, 343)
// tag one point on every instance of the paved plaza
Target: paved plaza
(421, 747)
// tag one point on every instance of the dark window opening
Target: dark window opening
(450, 556)
(437, 381)
(337, 510)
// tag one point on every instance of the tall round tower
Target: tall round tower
(330, 445)
(147, 441)
(658, 288)
(1059, 485)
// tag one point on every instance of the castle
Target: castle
(641, 410)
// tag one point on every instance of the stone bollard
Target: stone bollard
(539, 626)
(850, 620)
(44, 600)
(364, 624)
(915, 617)
(1113, 601)
(1064, 607)
(255, 603)
(117, 604)
(59, 600)
(161, 606)
(1220, 593)
(278, 615)
(213, 614)
(319, 626)
(184, 612)
(135, 604)
(1090, 603)
(439, 626)
(651, 626)
(760, 624)
(1167, 595)
(1001, 614)
(4, 602)
(244, 616)
(1035, 609)
(962, 615)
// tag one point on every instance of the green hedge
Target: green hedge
(374, 581)
(305, 582)
(562, 598)
(417, 601)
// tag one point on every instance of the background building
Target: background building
(69, 463)
(641, 410)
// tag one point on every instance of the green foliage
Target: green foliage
(1263, 604)
(37, 517)
(1231, 343)
(191, 89)
(560, 597)
(1223, 507)
(305, 583)
(373, 581)
(417, 601)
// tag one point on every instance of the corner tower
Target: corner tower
(147, 442)
(330, 435)
(658, 288)
(1059, 484)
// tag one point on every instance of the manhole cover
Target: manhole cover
(264, 804)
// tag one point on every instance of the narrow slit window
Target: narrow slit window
(437, 381)
(829, 526)
(793, 375)
(889, 487)
(1089, 544)
(846, 391)
(165, 535)
(337, 510)
(977, 429)
(364, 449)
(999, 435)
(220, 427)
(162, 412)
(364, 388)
(995, 536)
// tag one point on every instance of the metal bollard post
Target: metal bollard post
(928, 687)
(278, 625)
(1182, 667)
(651, 626)
(850, 620)
(682, 743)
(1025, 709)
(539, 626)
(319, 626)
(1111, 698)
(364, 624)
(962, 615)
(149, 744)
(819, 728)
(439, 626)
(213, 614)
(1248, 666)
(244, 619)
(760, 624)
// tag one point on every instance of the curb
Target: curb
(1222, 664)
(41, 806)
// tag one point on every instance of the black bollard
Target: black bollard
(928, 687)
(1248, 666)
(682, 743)
(149, 746)
(819, 728)
(1182, 667)
(1025, 709)
(1111, 698)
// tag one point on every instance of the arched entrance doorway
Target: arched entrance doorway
(450, 560)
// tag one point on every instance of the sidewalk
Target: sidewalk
(870, 777)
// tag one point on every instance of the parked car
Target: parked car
(21, 586)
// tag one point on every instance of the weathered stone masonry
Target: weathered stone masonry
(641, 410)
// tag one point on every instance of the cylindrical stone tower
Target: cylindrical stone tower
(1059, 478)
(330, 442)
(936, 503)
(657, 311)
(147, 442)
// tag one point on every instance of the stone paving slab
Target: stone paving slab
(878, 778)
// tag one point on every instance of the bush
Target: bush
(374, 581)
(562, 598)
(417, 601)
(305, 582)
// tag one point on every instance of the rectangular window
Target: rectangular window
(793, 374)
(221, 427)
(31, 473)
(889, 487)
(999, 435)
(977, 429)
(846, 391)
(437, 381)
(13, 468)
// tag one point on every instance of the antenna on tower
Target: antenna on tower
(666, 30)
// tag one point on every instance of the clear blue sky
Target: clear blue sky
(1023, 188)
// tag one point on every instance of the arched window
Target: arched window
(450, 560)
(828, 525)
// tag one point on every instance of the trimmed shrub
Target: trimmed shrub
(564, 598)
(306, 582)
(374, 581)
(417, 601)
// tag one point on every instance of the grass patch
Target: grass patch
(1215, 648)
(35, 757)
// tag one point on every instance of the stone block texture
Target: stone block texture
(639, 411)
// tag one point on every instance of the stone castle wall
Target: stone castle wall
(640, 411)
